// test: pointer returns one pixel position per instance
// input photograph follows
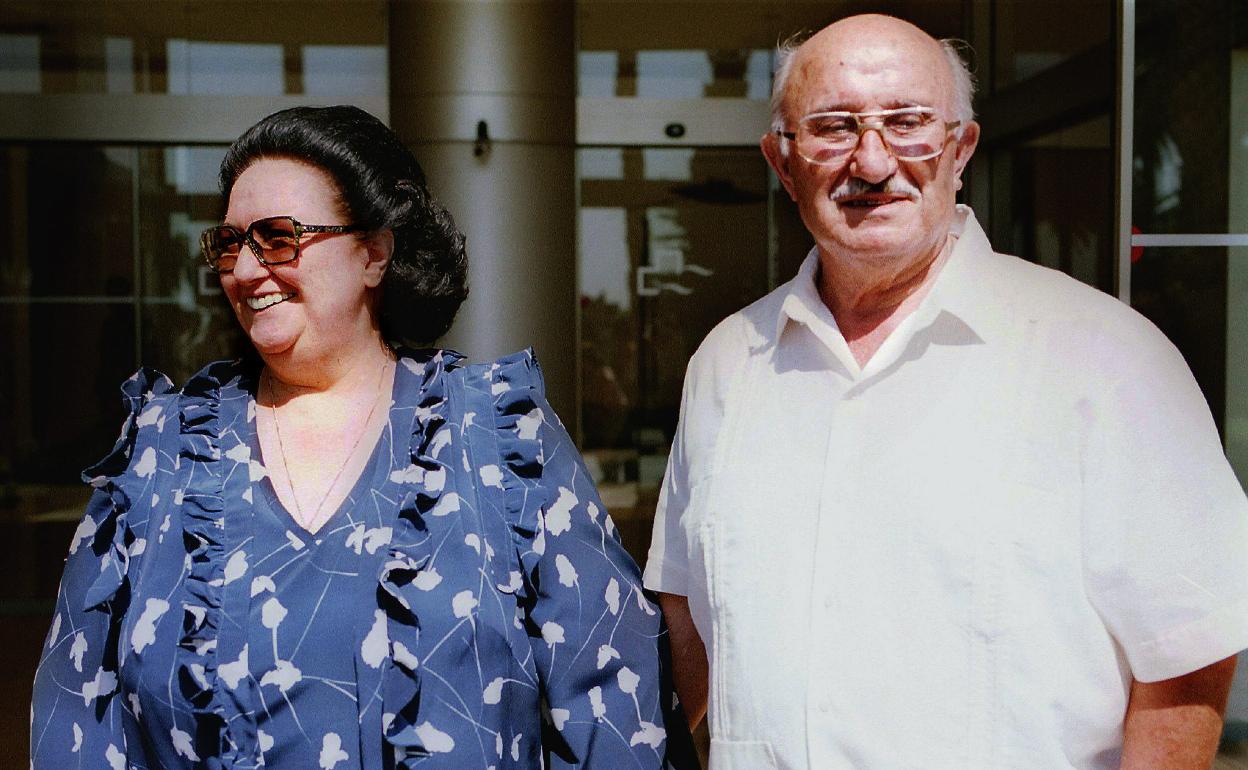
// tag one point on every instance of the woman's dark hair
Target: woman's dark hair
(381, 186)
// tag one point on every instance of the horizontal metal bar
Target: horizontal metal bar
(714, 122)
(162, 118)
(1189, 239)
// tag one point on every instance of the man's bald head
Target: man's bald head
(865, 31)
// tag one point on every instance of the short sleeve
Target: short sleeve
(667, 564)
(1165, 519)
(709, 375)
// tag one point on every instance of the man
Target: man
(930, 506)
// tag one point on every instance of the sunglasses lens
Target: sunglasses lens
(220, 246)
(278, 238)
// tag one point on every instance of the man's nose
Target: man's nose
(872, 161)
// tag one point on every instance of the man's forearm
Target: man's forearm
(691, 671)
(1175, 723)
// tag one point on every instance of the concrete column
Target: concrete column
(509, 64)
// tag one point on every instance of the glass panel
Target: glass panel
(61, 404)
(334, 70)
(1058, 188)
(671, 242)
(75, 329)
(19, 64)
(67, 222)
(225, 68)
(185, 320)
(1191, 69)
(1199, 298)
(665, 49)
(1184, 291)
(119, 65)
(193, 47)
(1031, 38)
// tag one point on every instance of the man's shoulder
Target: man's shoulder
(741, 335)
(1079, 315)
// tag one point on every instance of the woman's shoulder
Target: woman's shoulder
(514, 373)
(443, 368)
(153, 403)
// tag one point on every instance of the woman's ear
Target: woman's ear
(380, 246)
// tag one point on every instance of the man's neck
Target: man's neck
(869, 303)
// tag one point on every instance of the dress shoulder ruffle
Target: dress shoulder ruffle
(121, 475)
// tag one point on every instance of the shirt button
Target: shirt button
(827, 602)
(825, 706)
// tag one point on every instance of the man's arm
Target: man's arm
(690, 672)
(1176, 723)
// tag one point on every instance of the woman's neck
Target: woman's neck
(346, 368)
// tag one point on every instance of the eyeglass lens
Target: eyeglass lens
(832, 138)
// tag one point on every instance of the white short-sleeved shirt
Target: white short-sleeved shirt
(959, 555)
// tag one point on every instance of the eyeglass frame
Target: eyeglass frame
(864, 126)
(257, 251)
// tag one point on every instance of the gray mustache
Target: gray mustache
(892, 186)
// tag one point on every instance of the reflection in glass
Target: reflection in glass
(98, 272)
(1185, 52)
(596, 72)
(1032, 38)
(88, 46)
(68, 226)
(61, 403)
(118, 65)
(334, 70)
(672, 74)
(19, 64)
(668, 248)
(197, 67)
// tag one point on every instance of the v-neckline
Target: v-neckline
(314, 538)
(367, 471)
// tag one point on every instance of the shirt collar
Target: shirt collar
(967, 285)
(960, 289)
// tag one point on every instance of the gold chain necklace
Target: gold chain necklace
(281, 449)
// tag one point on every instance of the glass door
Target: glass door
(1183, 225)
(671, 241)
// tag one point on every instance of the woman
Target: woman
(344, 553)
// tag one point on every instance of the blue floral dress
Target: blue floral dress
(468, 606)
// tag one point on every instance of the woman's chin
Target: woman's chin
(268, 343)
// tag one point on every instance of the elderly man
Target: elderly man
(930, 506)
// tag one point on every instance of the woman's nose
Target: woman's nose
(248, 267)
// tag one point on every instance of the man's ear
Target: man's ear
(778, 160)
(965, 147)
(380, 246)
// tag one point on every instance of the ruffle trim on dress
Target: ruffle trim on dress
(122, 477)
(429, 475)
(202, 503)
(519, 391)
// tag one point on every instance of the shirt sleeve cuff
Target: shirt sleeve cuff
(666, 577)
(1182, 650)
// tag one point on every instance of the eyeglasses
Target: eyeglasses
(273, 241)
(909, 133)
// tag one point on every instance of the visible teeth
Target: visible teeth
(268, 300)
